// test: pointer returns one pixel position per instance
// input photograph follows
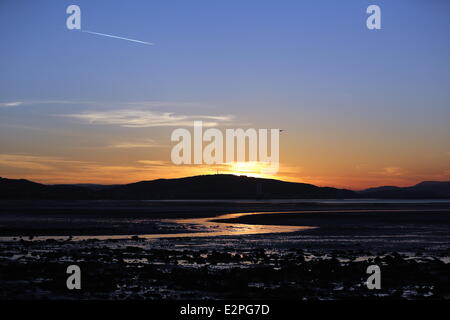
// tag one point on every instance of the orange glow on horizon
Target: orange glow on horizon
(54, 171)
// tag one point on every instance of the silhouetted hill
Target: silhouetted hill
(19, 188)
(198, 187)
(423, 190)
(90, 186)
(24, 189)
(221, 186)
(382, 188)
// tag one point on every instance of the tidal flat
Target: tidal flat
(409, 242)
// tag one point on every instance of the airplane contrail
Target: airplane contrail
(117, 37)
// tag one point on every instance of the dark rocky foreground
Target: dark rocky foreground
(410, 242)
(144, 269)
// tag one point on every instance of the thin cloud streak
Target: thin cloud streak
(48, 169)
(153, 162)
(140, 144)
(33, 162)
(11, 104)
(123, 104)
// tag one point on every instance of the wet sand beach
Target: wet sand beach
(322, 255)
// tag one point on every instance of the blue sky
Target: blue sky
(359, 97)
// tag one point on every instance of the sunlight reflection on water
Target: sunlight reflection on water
(209, 227)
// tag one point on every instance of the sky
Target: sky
(360, 108)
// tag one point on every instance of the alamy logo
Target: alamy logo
(190, 150)
(74, 280)
(74, 20)
(374, 281)
(373, 22)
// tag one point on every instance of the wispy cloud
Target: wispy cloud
(157, 104)
(153, 162)
(35, 162)
(11, 104)
(145, 118)
(132, 113)
(148, 143)
(391, 171)
(48, 169)
(44, 102)
(120, 104)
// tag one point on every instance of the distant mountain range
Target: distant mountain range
(423, 190)
(219, 186)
